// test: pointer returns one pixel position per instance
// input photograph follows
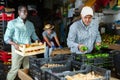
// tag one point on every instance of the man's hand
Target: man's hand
(16, 46)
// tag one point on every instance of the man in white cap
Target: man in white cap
(84, 32)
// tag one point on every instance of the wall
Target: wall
(108, 16)
(117, 16)
(48, 4)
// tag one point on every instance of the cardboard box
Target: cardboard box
(114, 46)
(23, 74)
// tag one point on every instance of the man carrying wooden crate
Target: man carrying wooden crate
(19, 31)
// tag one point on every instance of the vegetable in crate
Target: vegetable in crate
(80, 76)
(104, 55)
(89, 56)
(110, 39)
(51, 65)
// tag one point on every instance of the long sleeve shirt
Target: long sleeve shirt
(81, 34)
(20, 32)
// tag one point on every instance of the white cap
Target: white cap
(86, 11)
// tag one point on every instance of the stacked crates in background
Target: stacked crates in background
(5, 59)
(5, 56)
(3, 2)
(4, 18)
(116, 60)
(2, 74)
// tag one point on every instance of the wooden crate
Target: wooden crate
(31, 49)
(23, 74)
(61, 51)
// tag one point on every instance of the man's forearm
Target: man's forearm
(11, 43)
(14, 44)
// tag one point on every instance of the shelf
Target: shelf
(109, 12)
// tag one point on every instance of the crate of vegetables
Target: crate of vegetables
(31, 49)
(58, 68)
(37, 71)
(97, 59)
(56, 63)
(88, 72)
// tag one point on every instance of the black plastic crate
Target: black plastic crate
(38, 73)
(116, 59)
(84, 70)
(34, 69)
(41, 61)
(2, 75)
(36, 63)
(3, 72)
(75, 65)
(95, 59)
(35, 73)
(105, 50)
(60, 57)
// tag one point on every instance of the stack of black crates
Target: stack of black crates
(4, 18)
(3, 2)
(70, 67)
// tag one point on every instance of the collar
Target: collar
(83, 23)
(20, 19)
(84, 26)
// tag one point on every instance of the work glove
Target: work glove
(53, 47)
(60, 47)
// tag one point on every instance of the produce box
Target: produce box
(96, 59)
(87, 72)
(60, 51)
(39, 72)
(31, 49)
(39, 65)
(110, 39)
(114, 46)
(5, 56)
(23, 74)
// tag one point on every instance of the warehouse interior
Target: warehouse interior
(103, 61)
